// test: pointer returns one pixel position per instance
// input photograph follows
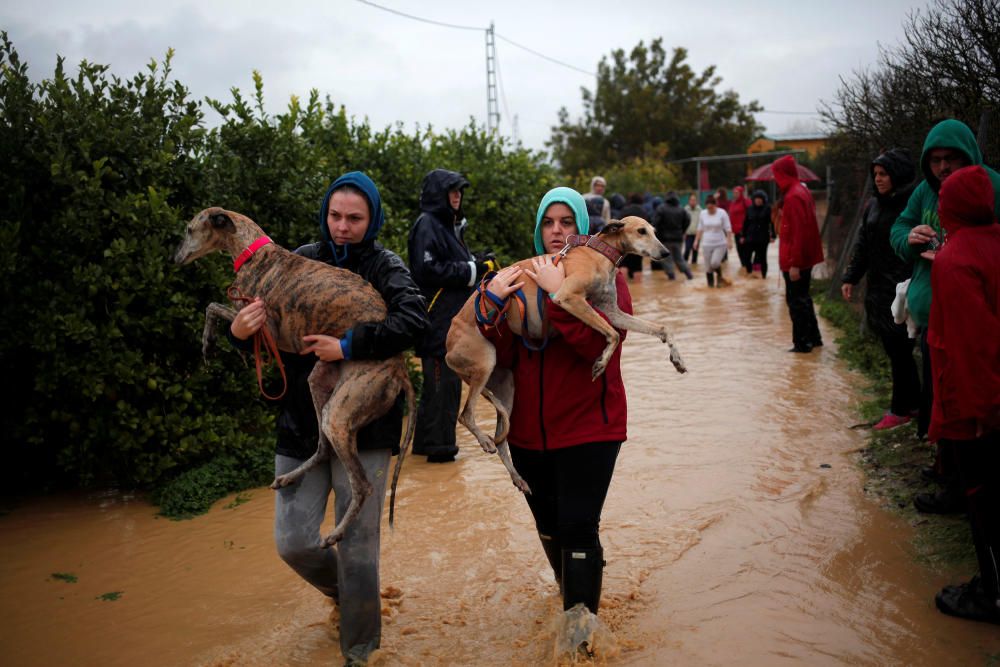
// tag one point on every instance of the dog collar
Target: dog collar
(249, 252)
(594, 243)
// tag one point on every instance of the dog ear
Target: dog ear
(613, 227)
(222, 221)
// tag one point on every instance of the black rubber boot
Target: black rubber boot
(553, 551)
(710, 277)
(583, 574)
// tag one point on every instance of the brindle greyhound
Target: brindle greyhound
(305, 297)
(590, 275)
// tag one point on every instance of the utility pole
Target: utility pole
(515, 133)
(492, 104)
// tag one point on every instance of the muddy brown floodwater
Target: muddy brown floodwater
(735, 532)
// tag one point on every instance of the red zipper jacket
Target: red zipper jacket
(556, 404)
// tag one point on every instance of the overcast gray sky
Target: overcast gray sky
(787, 56)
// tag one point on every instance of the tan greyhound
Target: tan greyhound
(589, 284)
(305, 297)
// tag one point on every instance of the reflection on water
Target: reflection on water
(734, 530)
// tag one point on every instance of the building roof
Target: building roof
(796, 136)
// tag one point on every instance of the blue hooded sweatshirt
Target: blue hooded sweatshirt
(368, 188)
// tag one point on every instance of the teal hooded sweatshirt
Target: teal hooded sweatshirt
(922, 209)
(571, 198)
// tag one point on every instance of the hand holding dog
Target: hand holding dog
(327, 348)
(547, 275)
(249, 320)
(504, 282)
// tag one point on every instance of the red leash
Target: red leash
(263, 342)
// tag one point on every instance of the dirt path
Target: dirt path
(735, 531)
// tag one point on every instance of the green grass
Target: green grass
(892, 460)
(64, 576)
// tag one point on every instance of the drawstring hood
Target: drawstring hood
(367, 187)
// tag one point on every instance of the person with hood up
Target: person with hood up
(949, 146)
(446, 272)
(737, 214)
(693, 209)
(617, 202)
(892, 176)
(670, 222)
(566, 429)
(597, 188)
(632, 264)
(350, 218)
(800, 249)
(595, 205)
(758, 232)
(964, 340)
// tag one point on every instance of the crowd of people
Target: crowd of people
(939, 235)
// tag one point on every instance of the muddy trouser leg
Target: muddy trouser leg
(437, 414)
(299, 510)
(979, 464)
(905, 381)
(677, 254)
(569, 487)
(668, 263)
(358, 558)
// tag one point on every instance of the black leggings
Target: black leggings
(568, 488)
(979, 468)
(905, 381)
(757, 254)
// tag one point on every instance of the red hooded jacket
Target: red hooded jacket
(800, 246)
(738, 209)
(964, 328)
(556, 403)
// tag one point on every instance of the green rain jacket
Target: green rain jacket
(922, 207)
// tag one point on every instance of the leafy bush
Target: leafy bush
(102, 341)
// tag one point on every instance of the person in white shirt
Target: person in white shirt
(714, 237)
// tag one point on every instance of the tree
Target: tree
(947, 66)
(645, 105)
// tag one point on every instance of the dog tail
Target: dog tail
(411, 420)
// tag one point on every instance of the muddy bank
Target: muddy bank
(735, 529)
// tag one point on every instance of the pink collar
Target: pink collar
(594, 243)
(249, 252)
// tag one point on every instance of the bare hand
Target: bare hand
(847, 289)
(503, 283)
(249, 320)
(794, 274)
(547, 275)
(921, 235)
(327, 348)
(929, 254)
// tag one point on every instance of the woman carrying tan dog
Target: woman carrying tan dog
(565, 428)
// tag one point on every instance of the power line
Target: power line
(418, 18)
(790, 113)
(469, 27)
(542, 55)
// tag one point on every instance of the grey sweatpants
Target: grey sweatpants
(676, 256)
(713, 255)
(348, 572)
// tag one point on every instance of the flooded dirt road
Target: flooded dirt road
(735, 532)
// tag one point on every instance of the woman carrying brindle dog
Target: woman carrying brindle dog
(565, 428)
(350, 219)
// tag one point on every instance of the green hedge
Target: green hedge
(101, 337)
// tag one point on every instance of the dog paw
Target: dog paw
(675, 359)
(332, 539)
(522, 486)
(488, 445)
(597, 370)
(282, 481)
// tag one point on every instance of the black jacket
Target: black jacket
(758, 229)
(442, 265)
(872, 254)
(671, 221)
(297, 430)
